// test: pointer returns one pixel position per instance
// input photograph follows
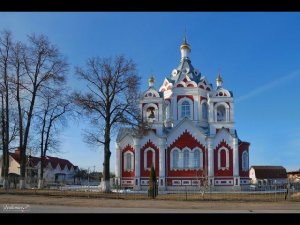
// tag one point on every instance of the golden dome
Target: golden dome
(151, 79)
(219, 78)
(185, 44)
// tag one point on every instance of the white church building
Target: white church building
(193, 139)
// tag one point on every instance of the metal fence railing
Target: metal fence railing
(290, 192)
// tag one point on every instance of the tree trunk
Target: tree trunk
(20, 116)
(24, 146)
(5, 157)
(5, 183)
(5, 172)
(6, 148)
(5, 106)
(41, 184)
(41, 178)
(22, 168)
(105, 184)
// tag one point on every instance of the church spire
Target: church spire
(151, 81)
(185, 48)
(219, 80)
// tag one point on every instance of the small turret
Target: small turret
(151, 81)
(185, 49)
(219, 81)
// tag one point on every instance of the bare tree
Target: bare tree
(110, 100)
(43, 66)
(55, 107)
(5, 52)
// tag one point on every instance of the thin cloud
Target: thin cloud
(268, 86)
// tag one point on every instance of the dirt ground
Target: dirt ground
(163, 204)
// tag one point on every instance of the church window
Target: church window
(149, 159)
(150, 112)
(221, 113)
(223, 158)
(185, 109)
(245, 161)
(128, 161)
(175, 160)
(197, 158)
(167, 111)
(204, 111)
(186, 158)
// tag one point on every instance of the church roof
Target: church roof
(33, 161)
(202, 130)
(185, 68)
(269, 172)
(222, 92)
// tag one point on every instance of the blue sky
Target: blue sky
(257, 53)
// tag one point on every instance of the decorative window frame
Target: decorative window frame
(167, 114)
(179, 105)
(172, 159)
(245, 167)
(145, 108)
(191, 82)
(190, 161)
(227, 158)
(227, 111)
(145, 158)
(125, 161)
(151, 94)
(200, 158)
(207, 110)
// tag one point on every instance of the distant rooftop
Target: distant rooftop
(269, 172)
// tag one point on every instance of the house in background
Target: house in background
(57, 170)
(294, 176)
(268, 175)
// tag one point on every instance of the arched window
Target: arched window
(223, 158)
(204, 111)
(221, 113)
(149, 159)
(185, 109)
(128, 161)
(245, 161)
(167, 111)
(196, 158)
(186, 158)
(150, 113)
(175, 160)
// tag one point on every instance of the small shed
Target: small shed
(268, 175)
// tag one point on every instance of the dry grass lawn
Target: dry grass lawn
(174, 201)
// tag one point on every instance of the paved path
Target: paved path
(72, 209)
